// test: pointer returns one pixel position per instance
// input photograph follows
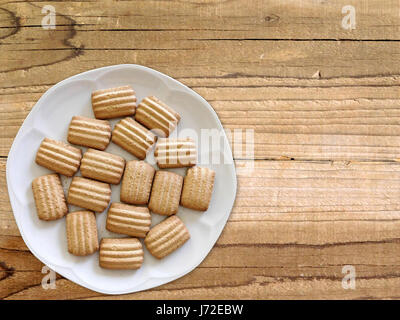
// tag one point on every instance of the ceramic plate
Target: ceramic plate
(50, 117)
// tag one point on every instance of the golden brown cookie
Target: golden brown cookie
(49, 197)
(166, 237)
(114, 102)
(102, 166)
(175, 153)
(156, 115)
(165, 193)
(121, 254)
(133, 137)
(197, 188)
(127, 219)
(89, 132)
(136, 182)
(59, 157)
(82, 233)
(89, 194)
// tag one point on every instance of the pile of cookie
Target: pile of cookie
(143, 189)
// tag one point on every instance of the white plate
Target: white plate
(50, 117)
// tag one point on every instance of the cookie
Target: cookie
(156, 115)
(89, 132)
(102, 166)
(59, 157)
(133, 137)
(165, 193)
(136, 182)
(82, 233)
(175, 153)
(197, 188)
(121, 254)
(127, 219)
(49, 197)
(114, 102)
(89, 194)
(166, 237)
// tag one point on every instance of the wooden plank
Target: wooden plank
(220, 19)
(286, 272)
(301, 222)
(309, 200)
(208, 58)
(342, 122)
(309, 196)
(34, 55)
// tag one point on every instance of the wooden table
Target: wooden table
(324, 102)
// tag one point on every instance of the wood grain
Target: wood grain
(301, 221)
(347, 119)
(324, 104)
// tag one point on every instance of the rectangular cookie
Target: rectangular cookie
(166, 237)
(136, 182)
(49, 197)
(114, 102)
(133, 137)
(82, 233)
(91, 133)
(127, 219)
(175, 153)
(165, 193)
(89, 194)
(59, 157)
(102, 166)
(156, 115)
(197, 188)
(121, 254)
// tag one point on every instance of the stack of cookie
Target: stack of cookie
(144, 190)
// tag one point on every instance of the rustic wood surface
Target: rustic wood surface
(325, 106)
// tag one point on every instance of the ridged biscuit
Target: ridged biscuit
(197, 188)
(166, 237)
(59, 157)
(89, 132)
(165, 193)
(127, 219)
(133, 137)
(175, 153)
(156, 115)
(136, 182)
(89, 194)
(102, 166)
(121, 254)
(49, 197)
(82, 233)
(114, 102)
